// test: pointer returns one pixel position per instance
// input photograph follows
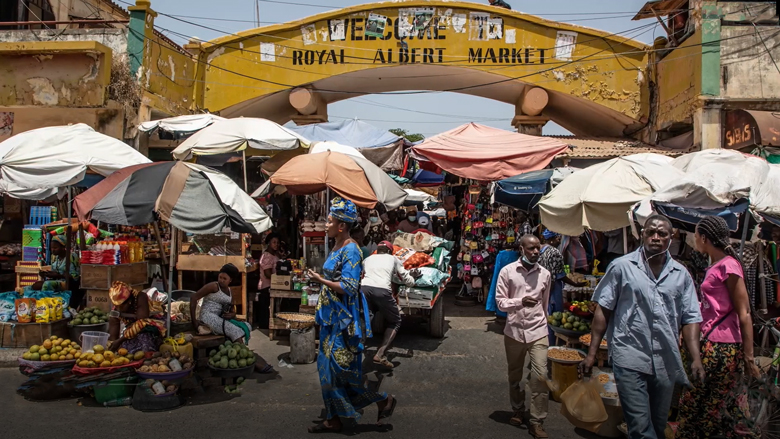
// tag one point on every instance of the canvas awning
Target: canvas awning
(377, 145)
(36, 163)
(484, 153)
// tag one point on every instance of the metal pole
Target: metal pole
(246, 183)
(327, 203)
(68, 243)
(171, 264)
(744, 234)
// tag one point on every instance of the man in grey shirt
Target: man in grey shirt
(643, 300)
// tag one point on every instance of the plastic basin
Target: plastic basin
(88, 339)
(76, 331)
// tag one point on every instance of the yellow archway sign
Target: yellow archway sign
(591, 82)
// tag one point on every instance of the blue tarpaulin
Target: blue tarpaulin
(687, 218)
(427, 178)
(351, 132)
(525, 190)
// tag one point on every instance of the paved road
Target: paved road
(455, 387)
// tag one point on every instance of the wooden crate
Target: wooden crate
(24, 335)
(209, 263)
(100, 277)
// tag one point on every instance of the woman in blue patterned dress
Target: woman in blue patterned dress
(342, 313)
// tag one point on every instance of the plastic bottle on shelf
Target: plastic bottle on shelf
(305, 296)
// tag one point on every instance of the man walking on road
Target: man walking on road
(643, 300)
(377, 285)
(523, 292)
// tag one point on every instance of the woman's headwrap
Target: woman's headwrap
(548, 234)
(119, 293)
(343, 210)
(231, 271)
(60, 239)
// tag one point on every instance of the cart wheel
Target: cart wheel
(436, 321)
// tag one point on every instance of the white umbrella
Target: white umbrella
(600, 196)
(35, 164)
(335, 147)
(234, 135)
(188, 123)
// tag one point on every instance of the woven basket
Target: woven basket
(296, 320)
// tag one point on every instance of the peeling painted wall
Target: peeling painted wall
(679, 82)
(168, 74)
(747, 68)
(114, 39)
(65, 80)
(109, 121)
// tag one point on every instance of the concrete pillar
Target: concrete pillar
(304, 100)
(708, 127)
(531, 125)
(141, 29)
(534, 101)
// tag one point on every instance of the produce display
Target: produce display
(585, 339)
(565, 354)
(100, 357)
(156, 387)
(582, 307)
(231, 356)
(167, 362)
(603, 378)
(53, 349)
(567, 320)
(89, 316)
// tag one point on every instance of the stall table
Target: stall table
(275, 324)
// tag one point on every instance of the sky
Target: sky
(414, 113)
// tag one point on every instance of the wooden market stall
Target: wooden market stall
(208, 253)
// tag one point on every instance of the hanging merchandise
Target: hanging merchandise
(486, 230)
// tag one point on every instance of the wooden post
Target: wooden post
(68, 244)
(165, 259)
(246, 182)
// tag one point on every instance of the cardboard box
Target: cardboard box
(100, 277)
(25, 335)
(418, 293)
(99, 299)
(281, 282)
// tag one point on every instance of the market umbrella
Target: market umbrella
(236, 135)
(600, 196)
(180, 125)
(525, 190)
(191, 197)
(352, 177)
(479, 152)
(35, 164)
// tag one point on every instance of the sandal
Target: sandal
(384, 362)
(322, 428)
(387, 412)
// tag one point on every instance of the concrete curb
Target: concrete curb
(9, 356)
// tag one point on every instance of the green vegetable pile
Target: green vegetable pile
(89, 316)
(231, 356)
(567, 320)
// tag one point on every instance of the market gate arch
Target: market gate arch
(588, 81)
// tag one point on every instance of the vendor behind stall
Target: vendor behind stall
(141, 317)
(218, 314)
(54, 280)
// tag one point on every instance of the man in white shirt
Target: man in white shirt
(377, 286)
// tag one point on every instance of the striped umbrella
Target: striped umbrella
(191, 197)
(350, 176)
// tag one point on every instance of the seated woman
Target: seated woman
(54, 280)
(218, 314)
(142, 318)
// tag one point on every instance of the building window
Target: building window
(25, 11)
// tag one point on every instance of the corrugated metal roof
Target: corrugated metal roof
(607, 148)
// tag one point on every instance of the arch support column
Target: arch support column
(310, 106)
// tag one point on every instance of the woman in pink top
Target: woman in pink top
(268, 261)
(714, 408)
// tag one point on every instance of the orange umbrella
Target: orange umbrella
(353, 178)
